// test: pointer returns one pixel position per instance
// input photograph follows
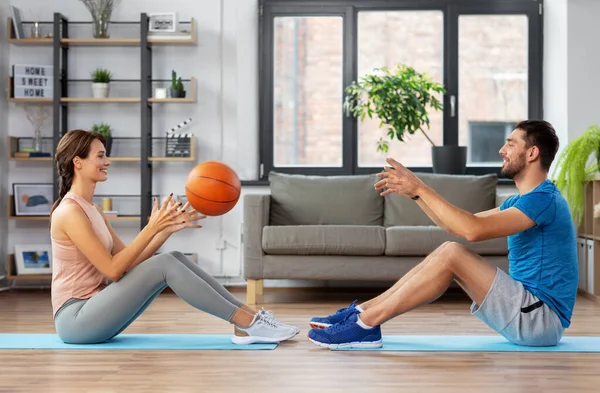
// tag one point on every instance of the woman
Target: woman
(100, 286)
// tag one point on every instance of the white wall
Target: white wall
(571, 77)
(3, 140)
(225, 116)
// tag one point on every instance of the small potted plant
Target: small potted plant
(177, 89)
(106, 131)
(101, 82)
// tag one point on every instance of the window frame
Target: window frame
(348, 10)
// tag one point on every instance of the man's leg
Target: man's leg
(385, 295)
(453, 262)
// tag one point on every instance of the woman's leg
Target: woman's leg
(210, 280)
(114, 308)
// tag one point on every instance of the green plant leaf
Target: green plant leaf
(572, 168)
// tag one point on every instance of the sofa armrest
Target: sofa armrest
(256, 217)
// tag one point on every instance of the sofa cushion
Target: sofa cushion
(324, 240)
(325, 200)
(422, 240)
(467, 192)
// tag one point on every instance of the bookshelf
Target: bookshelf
(588, 240)
(63, 47)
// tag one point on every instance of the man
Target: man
(531, 306)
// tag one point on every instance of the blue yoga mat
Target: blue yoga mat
(131, 342)
(477, 344)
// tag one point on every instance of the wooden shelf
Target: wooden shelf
(190, 95)
(11, 272)
(13, 147)
(25, 41)
(12, 216)
(192, 40)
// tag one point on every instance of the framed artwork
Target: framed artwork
(33, 199)
(164, 22)
(17, 22)
(33, 259)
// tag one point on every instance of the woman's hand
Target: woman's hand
(164, 216)
(188, 217)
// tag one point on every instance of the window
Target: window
(487, 53)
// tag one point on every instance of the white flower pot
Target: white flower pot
(100, 90)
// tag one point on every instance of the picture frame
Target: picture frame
(33, 199)
(33, 259)
(17, 22)
(162, 22)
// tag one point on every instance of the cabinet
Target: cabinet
(147, 147)
(588, 240)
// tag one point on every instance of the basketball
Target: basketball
(212, 188)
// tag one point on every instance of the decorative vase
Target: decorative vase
(100, 90)
(37, 140)
(100, 24)
(450, 160)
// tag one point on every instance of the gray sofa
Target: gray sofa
(340, 228)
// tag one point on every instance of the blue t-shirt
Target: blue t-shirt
(544, 257)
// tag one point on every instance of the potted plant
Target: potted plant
(101, 11)
(177, 89)
(106, 131)
(401, 99)
(101, 82)
(572, 167)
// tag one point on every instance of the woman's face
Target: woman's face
(95, 166)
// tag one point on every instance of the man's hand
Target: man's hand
(398, 179)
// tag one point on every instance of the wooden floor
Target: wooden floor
(294, 366)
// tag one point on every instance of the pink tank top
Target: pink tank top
(73, 275)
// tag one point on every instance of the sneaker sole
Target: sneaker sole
(318, 325)
(367, 344)
(244, 340)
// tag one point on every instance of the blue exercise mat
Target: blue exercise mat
(477, 344)
(131, 342)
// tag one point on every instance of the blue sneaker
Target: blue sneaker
(347, 334)
(340, 315)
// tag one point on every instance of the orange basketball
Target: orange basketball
(212, 188)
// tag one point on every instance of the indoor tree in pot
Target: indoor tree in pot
(401, 99)
(101, 82)
(106, 131)
(573, 165)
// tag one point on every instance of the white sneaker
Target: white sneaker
(263, 329)
(269, 315)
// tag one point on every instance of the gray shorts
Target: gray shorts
(517, 314)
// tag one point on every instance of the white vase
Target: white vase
(100, 90)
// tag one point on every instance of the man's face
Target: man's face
(513, 154)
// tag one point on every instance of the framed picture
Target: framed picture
(33, 259)
(33, 199)
(164, 22)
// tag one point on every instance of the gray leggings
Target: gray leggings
(108, 313)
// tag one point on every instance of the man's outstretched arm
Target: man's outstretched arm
(472, 227)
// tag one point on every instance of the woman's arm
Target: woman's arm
(73, 222)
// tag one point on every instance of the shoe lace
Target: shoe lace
(268, 318)
(344, 309)
(341, 325)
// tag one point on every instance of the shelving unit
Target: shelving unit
(61, 43)
(588, 241)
